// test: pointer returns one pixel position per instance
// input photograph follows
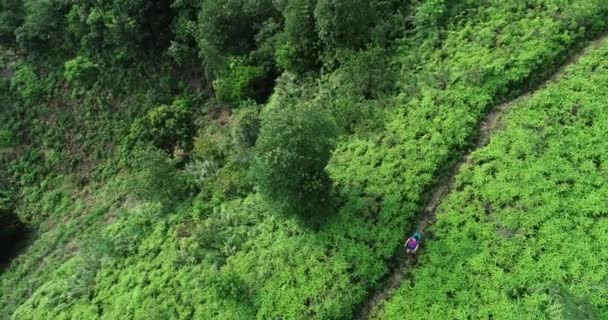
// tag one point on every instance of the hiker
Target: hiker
(413, 242)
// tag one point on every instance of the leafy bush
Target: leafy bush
(120, 30)
(291, 154)
(7, 139)
(81, 71)
(300, 48)
(228, 28)
(351, 92)
(344, 23)
(167, 127)
(44, 30)
(27, 83)
(11, 17)
(154, 177)
(245, 127)
(239, 83)
(212, 143)
(201, 171)
(126, 235)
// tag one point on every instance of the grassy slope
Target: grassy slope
(277, 267)
(524, 234)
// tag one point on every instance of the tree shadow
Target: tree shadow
(15, 237)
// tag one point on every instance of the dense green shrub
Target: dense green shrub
(299, 50)
(183, 47)
(44, 30)
(81, 71)
(154, 177)
(228, 28)
(239, 83)
(167, 127)
(27, 83)
(212, 143)
(7, 139)
(120, 30)
(245, 127)
(126, 235)
(344, 23)
(220, 166)
(351, 92)
(434, 12)
(365, 73)
(11, 17)
(199, 172)
(292, 151)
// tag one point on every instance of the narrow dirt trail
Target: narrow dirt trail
(490, 123)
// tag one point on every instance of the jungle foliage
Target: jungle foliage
(153, 145)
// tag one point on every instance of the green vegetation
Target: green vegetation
(524, 233)
(80, 71)
(166, 152)
(292, 152)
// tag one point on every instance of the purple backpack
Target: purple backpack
(412, 244)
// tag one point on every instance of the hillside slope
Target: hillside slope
(523, 233)
(130, 146)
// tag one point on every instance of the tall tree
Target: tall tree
(292, 151)
(11, 17)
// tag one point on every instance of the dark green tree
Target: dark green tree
(81, 71)
(11, 17)
(292, 151)
(227, 28)
(299, 51)
(166, 127)
(344, 23)
(44, 28)
(238, 83)
(153, 176)
(121, 30)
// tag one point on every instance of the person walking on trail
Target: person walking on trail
(413, 243)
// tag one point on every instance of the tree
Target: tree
(11, 17)
(44, 29)
(81, 71)
(153, 176)
(292, 151)
(227, 28)
(121, 30)
(344, 23)
(352, 24)
(27, 83)
(299, 50)
(165, 127)
(238, 82)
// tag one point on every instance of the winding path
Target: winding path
(490, 123)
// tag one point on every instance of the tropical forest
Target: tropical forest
(303, 159)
